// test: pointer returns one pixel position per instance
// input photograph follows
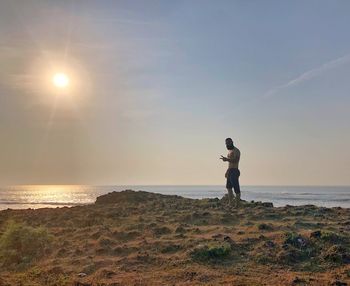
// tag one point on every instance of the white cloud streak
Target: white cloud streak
(309, 75)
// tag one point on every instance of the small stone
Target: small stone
(215, 236)
(82, 274)
(267, 204)
(180, 229)
(315, 234)
(270, 244)
(339, 283)
(229, 240)
(301, 241)
(298, 280)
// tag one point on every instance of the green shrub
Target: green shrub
(264, 226)
(263, 258)
(171, 248)
(295, 240)
(337, 254)
(295, 249)
(20, 244)
(331, 237)
(212, 251)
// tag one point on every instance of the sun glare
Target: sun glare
(60, 80)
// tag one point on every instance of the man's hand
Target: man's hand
(224, 158)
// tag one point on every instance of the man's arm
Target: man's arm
(225, 159)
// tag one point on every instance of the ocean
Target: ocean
(40, 196)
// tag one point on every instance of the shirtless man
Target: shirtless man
(232, 172)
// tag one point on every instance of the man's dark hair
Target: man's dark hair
(229, 144)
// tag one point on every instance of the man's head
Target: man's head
(229, 144)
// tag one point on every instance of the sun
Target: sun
(60, 80)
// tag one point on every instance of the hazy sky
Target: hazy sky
(157, 86)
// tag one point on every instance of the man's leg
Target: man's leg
(230, 196)
(229, 190)
(235, 183)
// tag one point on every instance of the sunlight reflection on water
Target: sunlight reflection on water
(38, 196)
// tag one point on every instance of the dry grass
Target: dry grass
(138, 238)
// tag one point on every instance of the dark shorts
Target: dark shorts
(232, 179)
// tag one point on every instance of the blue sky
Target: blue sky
(158, 85)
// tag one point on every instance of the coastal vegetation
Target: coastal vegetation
(21, 244)
(142, 238)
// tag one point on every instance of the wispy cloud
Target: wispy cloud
(309, 75)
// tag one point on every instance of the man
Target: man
(232, 172)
